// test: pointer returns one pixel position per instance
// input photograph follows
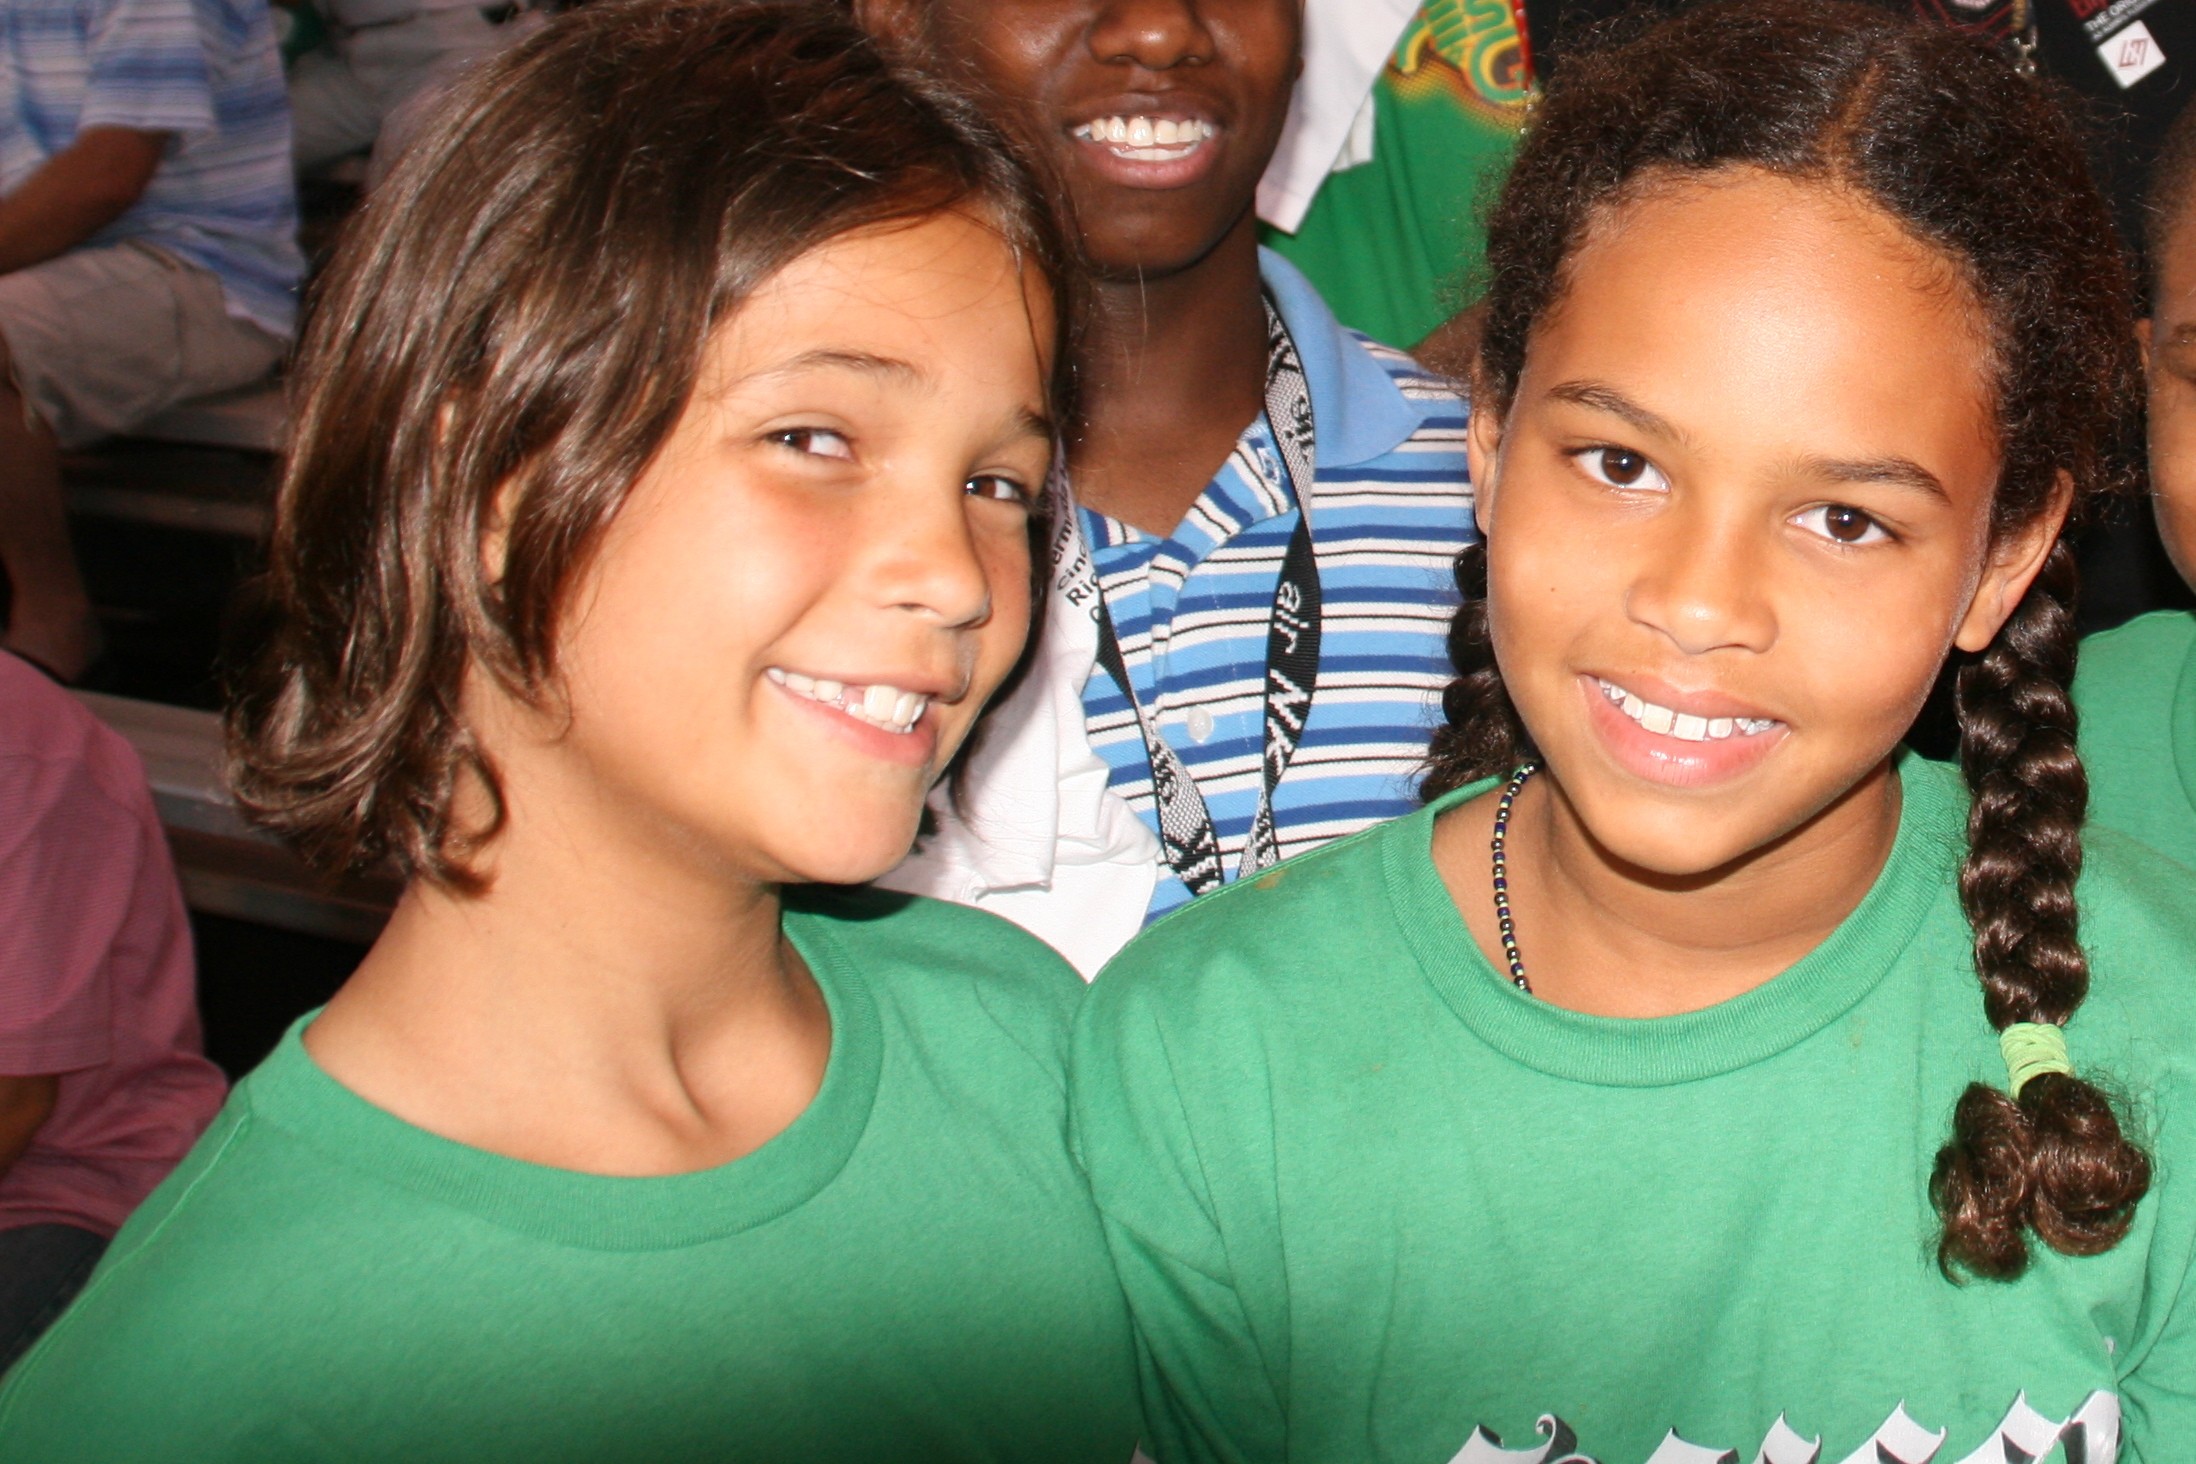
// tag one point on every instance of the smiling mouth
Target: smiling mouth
(1147, 139)
(879, 705)
(1686, 727)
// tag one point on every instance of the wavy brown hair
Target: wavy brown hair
(514, 323)
(1985, 168)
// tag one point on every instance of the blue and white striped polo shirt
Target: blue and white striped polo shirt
(1391, 505)
(207, 71)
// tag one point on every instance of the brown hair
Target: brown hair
(1984, 167)
(519, 313)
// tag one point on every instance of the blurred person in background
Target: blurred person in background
(381, 63)
(103, 1087)
(148, 254)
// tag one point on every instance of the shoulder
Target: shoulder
(57, 760)
(2131, 659)
(206, 1258)
(941, 963)
(2137, 1026)
(1282, 938)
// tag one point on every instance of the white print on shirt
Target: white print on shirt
(2090, 1436)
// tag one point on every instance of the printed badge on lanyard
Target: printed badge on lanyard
(1186, 834)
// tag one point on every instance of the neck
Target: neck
(613, 1003)
(1601, 936)
(1174, 369)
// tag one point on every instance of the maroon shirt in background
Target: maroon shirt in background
(96, 974)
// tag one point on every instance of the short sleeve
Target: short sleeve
(1208, 1387)
(150, 67)
(70, 859)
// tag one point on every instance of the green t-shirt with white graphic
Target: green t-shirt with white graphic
(912, 1270)
(2136, 691)
(1371, 1202)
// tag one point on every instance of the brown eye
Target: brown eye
(1845, 524)
(1621, 467)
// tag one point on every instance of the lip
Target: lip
(1673, 762)
(1144, 173)
(912, 748)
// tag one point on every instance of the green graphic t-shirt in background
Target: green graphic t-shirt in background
(2136, 691)
(1392, 243)
(912, 1270)
(1370, 1202)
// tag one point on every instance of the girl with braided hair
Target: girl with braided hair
(1634, 1100)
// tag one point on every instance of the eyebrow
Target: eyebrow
(1024, 422)
(827, 358)
(1596, 396)
(1897, 471)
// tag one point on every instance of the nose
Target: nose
(1705, 583)
(1157, 35)
(928, 561)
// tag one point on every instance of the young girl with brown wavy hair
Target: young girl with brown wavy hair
(1636, 1100)
(671, 445)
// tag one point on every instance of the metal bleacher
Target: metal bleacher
(206, 468)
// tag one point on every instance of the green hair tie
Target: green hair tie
(2032, 1049)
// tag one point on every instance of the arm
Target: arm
(25, 1104)
(81, 189)
(1210, 1391)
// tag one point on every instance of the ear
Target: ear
(1483, 451)
(2142, 341)
(495, 536)
(897, 22)
(2014, 563)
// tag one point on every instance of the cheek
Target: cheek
(1541, 593)
(1006, 559)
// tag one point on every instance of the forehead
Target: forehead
(1784, 294)
(937, 298)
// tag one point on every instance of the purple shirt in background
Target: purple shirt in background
(96, 979)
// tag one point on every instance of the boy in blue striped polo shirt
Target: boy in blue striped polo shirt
(1245, 649)
(148, 252)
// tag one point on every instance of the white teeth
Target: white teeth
(879, 704)
(1666, 722)
(1148, 139)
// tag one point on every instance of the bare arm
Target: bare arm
(25, 1103)
(80, 190)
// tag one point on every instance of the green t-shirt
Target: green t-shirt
(2136, 691)
(1394, 245)
(1371, 1202)
(911, 1270)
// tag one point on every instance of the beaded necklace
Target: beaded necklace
(1502, 876)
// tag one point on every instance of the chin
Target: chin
(857, 858)
(1673, 840)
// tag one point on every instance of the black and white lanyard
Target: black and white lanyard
(1186, 834)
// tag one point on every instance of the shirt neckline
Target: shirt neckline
(1661, 1051)
(593, 1211)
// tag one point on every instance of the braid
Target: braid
(2055, 1160)
(1481, 736)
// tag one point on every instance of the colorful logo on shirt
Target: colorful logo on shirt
(1469, 51)
(2090, 1436)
